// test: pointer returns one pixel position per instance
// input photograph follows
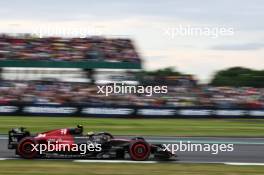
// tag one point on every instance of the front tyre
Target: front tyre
(139, 150)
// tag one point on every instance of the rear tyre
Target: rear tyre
(25, 148)
(139, 150)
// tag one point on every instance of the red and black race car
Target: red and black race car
(70, 143)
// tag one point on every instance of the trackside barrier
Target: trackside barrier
(128, 111)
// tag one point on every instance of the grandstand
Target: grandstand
(27, 48)
(26, 51)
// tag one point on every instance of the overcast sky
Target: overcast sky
(150, 23)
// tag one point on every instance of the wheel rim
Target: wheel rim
(139, 151)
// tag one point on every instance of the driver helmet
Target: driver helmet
(90, 133)
(79, 129)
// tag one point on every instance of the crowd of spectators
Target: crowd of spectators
(67, 49)
(78, 93)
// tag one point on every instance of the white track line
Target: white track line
(113, 161)
(244, 164)
(3, 138)
(8, 158)
(152, 162)
(179, 162)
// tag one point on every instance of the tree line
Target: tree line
(234, 76)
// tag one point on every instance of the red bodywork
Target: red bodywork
(58, 136)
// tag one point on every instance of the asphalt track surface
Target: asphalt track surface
(246, 150)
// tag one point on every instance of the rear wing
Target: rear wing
(15, 135)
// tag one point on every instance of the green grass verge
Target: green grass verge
(166, 127)
(27, 167)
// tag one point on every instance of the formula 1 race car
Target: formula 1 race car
(72, 143)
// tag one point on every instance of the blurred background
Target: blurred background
(66, 71)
